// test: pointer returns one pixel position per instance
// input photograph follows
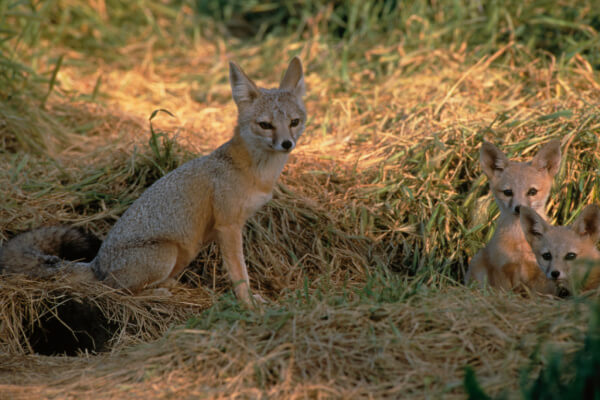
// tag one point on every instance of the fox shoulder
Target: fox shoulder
(43, 248)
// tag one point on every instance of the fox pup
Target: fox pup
(208, 198)
(562, 252)
(507, 261)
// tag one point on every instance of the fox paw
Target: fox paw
(259, 300)
(51, 261)
(563, 292)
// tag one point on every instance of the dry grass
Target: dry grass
(26, 303)
(342, 347)
(374, 220)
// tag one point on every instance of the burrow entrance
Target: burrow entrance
(69, 328)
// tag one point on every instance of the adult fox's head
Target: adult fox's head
(560, 249)
(517, 184)
(270, 119)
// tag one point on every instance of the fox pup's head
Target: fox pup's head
(272, 119)
(558, 249)
(516, 184)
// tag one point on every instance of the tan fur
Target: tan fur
(566, 255)
(211, 197)
(507, 261)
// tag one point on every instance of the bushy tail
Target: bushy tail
(43, 252)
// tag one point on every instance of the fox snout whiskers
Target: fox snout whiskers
(285, 146)
(556, 275)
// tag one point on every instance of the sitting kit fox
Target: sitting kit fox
(507, 261)
(208, 198)
(566, 255)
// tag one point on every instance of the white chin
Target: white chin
(281, 149)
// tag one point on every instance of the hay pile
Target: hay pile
(55, 317)
(383, 183)
(371, 227)
(340, 347)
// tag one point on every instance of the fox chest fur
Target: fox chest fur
(508, 245)
(245, 181)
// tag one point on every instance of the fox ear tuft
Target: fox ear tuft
(492, 160)
(242, 88)
(548, 158)
(532, 224)
(293, 80)
(588, 222)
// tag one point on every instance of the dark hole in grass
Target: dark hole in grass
(402, 258)
(71, 327)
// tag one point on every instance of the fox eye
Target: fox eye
(570, 256)
(294, 122)
(547, 256)
(508, 192)
(266, 125)
(532, 192)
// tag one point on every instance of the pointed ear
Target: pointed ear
(532, 224)
(588, 222)
(293, 80)
(242, 88)
(548, 158)
(492, 160)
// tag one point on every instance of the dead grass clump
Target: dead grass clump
(59, 317)
(385, 183)
(380, 350)
(340, 347)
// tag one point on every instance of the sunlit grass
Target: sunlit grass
(374, 219)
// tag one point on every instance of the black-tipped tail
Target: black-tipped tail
(41, 252)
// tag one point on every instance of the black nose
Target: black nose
(286, 144)
(517, 209)
(555, 274)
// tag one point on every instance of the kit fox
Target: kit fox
(208, 198)
(567, 255)
(507, 261)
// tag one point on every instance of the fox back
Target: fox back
(507, 260)
(564, 254)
